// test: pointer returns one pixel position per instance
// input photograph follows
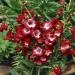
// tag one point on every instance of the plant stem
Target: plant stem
(69, 5)
(8, 16)
(38, 71)
(28, 11)
(46, 16)
(45, 67)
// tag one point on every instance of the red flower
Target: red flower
(31, 58)
(65, 45)
(59, 26)
(1, 29)
(36, 34)
(58, 33)
(26, 12)
(48, 51)
(57, 70)
(18, 49)
(26, 31)
(68, 53)
(62, 2)
(18, 37)
(73, 52)
(18, 29)
(54, 22)
(4, 26)
(49, 43)
(47, 25)
(30, 23)
(9, 35)
(40, 60)
(51, 37)
(40, 40)
(60, 11)
(24, 52)
(38, 51)
(20, 18)
(26, 42)
(73, 31)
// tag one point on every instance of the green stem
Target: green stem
(38, 71)
(8, 16)
(68, 10)
(28, 11)
(45, 67)
(69, 5)
(46, 16)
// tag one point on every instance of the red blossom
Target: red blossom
(73, 31)
(58, 33)
(9, 35)
(73, 52)
(57, 70)
(47, 26)
(26, 42)
(54, 22)
(67, 54)
(3, 26)
(38, 51)
(24, 52)
(18, 29)
(1, 29)
(36, 34)
(26, 31)
(40, 60)
(47, 42)
(18, 49)
(65, 45)
(20, 18)
(51, 37)
(59, 26)
(30, 23)
(18, 37)
(60, 11)
(48, 51)
(62, 2)
(30, 57)
(26, 13)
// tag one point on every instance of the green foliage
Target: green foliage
(6, 47)
(3, 43)
(73, 18)
(44, 6)
(12, 4)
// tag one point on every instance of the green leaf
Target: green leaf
(8, 2)
(55, 4)
(67, 32)
(73, 18)
(3, 44)
(14, 4)
(14, 72)
(74, 59)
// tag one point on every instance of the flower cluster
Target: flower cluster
(37, 39)
(34, 38)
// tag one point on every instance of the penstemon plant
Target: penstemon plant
(38, 35)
